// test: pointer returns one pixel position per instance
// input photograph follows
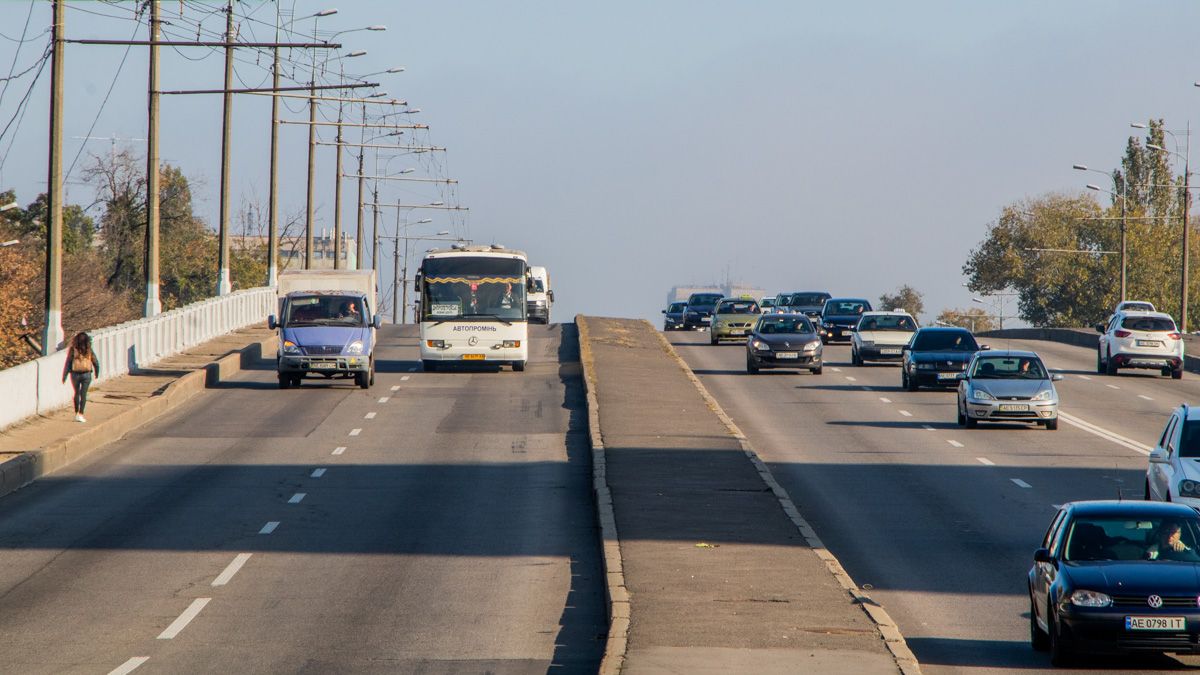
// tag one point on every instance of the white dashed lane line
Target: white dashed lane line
(184, 619)
(339, 450)
(1020, 483)
(231, 569)
(298, 497)
(926, 427)
(129, 666)
(852, 379)
(404, 378)
(954, 443)
(369, 416)
(355, 432)
(395, 387)
(317, 473)
(836, 370)
(1145, 397)
(412, 370)
(1084, 377)
(885, 399)
(385, 399)
(269, 527)
(1112, 386)
(985, 461)
(906, 413)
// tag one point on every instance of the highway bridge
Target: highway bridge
(449, 522)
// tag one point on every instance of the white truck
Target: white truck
(326, 325)
(540, 296)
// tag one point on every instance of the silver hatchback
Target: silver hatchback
(1007, 386)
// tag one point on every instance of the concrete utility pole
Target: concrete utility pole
(153, 306)
(337, 196)
(375, 230)
(273, 198)
(361, 153)
(396, 318)
(52, 336)
(312, 159)
(1124, 230)
(1187, 198)
(223, 283)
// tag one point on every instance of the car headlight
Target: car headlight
(354, 347)
(812, 346)
(1044, 395)
(867, 343)
(290, 347)
(759, 345)
(981, 395)
(1189, 488)
(1082, 598)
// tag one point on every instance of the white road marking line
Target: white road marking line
(298, 497)
(369, 416)
(1112, 386)
(1143, 396)
(836, 370)
(231, 569)
(1084, 377)
(955, 443)
(1020, 483)
(852, 379)
(129, 666)
(404, 378)
(885, 399)
(395, 387)
(1104, 433)
(184, 619)
(317, 473)
(269, 527)
(355, 432)
(339, 449)
(985, 461)
(412, 370)
(385, 399)
(926, 427)
(906, 413)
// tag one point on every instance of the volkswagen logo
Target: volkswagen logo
(1154, 601)
(472, 341)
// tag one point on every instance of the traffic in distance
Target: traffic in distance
(1119, 576)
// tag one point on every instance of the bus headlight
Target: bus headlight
(512, 344)
(435, 344)
(354, 347)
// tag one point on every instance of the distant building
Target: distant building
(729, 290)
(291, 250)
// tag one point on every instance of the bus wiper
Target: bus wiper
(497, 317)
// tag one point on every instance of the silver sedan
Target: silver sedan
(1007, 386)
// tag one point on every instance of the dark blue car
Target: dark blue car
(1117, 577)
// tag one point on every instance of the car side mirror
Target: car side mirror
(984, 348)
(1056, 377)
(377, 321)
(1042, 555)
(271, 323)
(664, 311)
(906, 348)
(962, 376)
(1158, 456)
(550, 294)
(1099, 328)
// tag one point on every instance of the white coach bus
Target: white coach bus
(472, 306)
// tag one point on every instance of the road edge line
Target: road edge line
(905, 660)
(616, 594)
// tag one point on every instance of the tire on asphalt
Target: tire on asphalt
(1110, 368)
(1052, 425)
(285, 381)
(518, 366)
(1038, 638)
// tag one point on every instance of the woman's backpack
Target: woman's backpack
(81, 363)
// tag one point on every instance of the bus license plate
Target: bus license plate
(1155, 623)
(472, 357)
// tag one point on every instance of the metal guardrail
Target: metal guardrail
(36, 387)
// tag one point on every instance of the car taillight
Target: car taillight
(1122, 333)
(1175, 336)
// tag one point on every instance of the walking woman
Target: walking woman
(81, 364)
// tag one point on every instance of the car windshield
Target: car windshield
(1159, 539)
(843, 307)
(738, 307)
(1009, 367)
(704, 299)
(808, 299)
(783, 324)
(1148, 323)
(887, 322)
(767, 302)
(1189, 442)
(325, 310)
(945, 340)
(676, 307)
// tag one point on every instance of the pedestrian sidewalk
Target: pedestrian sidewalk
(720, 578)
(42, 444)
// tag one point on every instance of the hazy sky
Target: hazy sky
(632, 146)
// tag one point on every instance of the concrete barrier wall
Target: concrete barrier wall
(36, 387)
(1089, 338)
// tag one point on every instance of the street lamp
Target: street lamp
(403, 308)
(9, 207)
(1124, 219)
(1183, 274)
(14, 242)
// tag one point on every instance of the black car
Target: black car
(808, 303)
(839, 316)
(784, 341)
(935, 357)
(673, 319)
(1117, 577)
(698, 313)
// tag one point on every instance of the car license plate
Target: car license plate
(787, 355)
(1149, 343)
(1014, 407)
(1155, 623)
(705, 319)
(947, 376)
(889, 351)
(472, 357)
(737, 332)
(322, 364)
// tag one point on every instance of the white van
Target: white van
(541, 296)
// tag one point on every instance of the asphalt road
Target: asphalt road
(937, 521)
(437, 523)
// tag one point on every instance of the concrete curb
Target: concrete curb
(896, 644)
(616, 595)
(29, 466)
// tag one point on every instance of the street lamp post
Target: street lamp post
(1183, 273)
(1124, 220)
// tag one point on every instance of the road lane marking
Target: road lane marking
(1143, 396)
(1104, 433)
(339, 449)
(355, 432)
(955, 443)
(317, 473)
(129, 666)
(231, 569)
(836, 370)
(404, 378)
(385, 399)
(1020, 483)
(298, 497)
(885, 399)
(906, 413)
(369, 416)
(412, 370)
(184, 619)
(269, 527)
(1112, 386)
(1084, 377)
(852, 379)
(985, 461)
(926, 427)
(395, 387)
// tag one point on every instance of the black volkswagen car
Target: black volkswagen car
(1117, 576)
(936, 356)
(698, 313)
(840, 315)
(784, 341)
(673, 316)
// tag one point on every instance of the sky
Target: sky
(632, 146)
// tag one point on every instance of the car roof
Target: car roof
(849, 299)
(887, 312)
(942, 329)
(1138, 313)
(1009, 353)
(1130, 507)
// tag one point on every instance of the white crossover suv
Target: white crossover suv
(1147, 340)
(1173, 474)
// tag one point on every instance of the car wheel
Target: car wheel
(1060, 646)
(1177, 373)
(1146, 494)
(1099, 362)
(972, 422)
(1052, 425)
(817, 370)
(429, 366)
(854, 359)
(962, 418)
(750, 367)
(285, 381)
(518, 366)
(363, 380)
(1110, 367)
(372, 382)
(910, 383)
(1038, 638)
(296, 380)
(712, 339)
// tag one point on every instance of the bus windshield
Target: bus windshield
(469, 288)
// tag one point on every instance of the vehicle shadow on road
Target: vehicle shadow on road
(1017, 655)
(898, 424)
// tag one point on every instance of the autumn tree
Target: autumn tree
(974, 319)
(906, 298)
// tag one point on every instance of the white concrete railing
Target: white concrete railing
(36, 387)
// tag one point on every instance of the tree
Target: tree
(973, 318)
(906, 298)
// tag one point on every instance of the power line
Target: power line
(103, 103)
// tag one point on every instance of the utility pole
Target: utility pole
(361, 152)
(375, 230)
(1124, 229)
(273, 198)
(312, 158)
(337, 195)
(1187, 198)
(52, 337)
(153, 306)
(396, 318)
(223, 283)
